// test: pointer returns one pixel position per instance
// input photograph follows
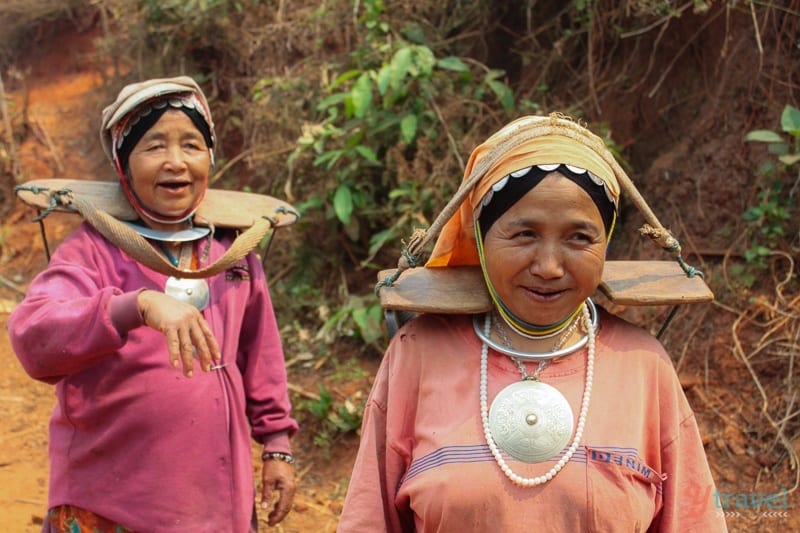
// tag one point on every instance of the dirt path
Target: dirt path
(26, 409)
(56, 148)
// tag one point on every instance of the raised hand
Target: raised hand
(186, 331)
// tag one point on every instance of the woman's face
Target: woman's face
(545, 255)
(169, 166)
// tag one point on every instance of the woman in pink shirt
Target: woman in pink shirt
(160, 382)
(546, 413)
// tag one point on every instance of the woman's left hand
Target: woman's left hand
(277, 476)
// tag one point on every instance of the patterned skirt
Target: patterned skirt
(71, 519)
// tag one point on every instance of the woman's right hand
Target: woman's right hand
(184, 327)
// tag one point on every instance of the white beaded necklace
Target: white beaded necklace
(587, 390)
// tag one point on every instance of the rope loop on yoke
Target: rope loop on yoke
(409, 258)
(689, 269)
(412, 252)
(283, 210)
(388, 281)
(406, 260)
(59, 198)
(663, 238)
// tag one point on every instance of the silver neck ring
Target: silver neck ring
(528, 356)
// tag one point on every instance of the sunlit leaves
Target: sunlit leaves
(343, 203)
(770, 217)
(408, 128)
(360, 101)
(788, 153)
(452, 63)
(764, 136)
(790, 121)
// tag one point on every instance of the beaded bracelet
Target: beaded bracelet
(280, 456)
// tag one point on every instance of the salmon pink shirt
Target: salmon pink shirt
(423, 464)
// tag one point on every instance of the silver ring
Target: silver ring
(511, 352)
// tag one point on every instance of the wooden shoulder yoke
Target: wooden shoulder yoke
(222, 208)
(461, 290)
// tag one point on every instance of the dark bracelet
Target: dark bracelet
(280, 456)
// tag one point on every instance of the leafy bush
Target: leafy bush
(372, 112)
(769, 220)
(331, 419)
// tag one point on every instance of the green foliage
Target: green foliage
(386, 102)
(767, 220)
(743, 274)
(384, 98)
(331, 419)
(788, 152)
(770, 218)
(360, 317)
(378, 119)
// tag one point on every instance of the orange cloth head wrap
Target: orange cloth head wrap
(527, 141)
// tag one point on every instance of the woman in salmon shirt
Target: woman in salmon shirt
(546, 413)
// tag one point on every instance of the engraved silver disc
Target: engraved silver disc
(531, 421)
(191, 291)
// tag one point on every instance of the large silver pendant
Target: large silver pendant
(531, 421)
(191, 291)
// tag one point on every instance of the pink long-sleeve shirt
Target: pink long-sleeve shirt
(423, 464)
(131, 438)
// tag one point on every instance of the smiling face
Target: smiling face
(545, 255)
(169, 167)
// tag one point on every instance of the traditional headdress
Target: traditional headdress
(562, 143)
(518, 160)
(137, 107)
